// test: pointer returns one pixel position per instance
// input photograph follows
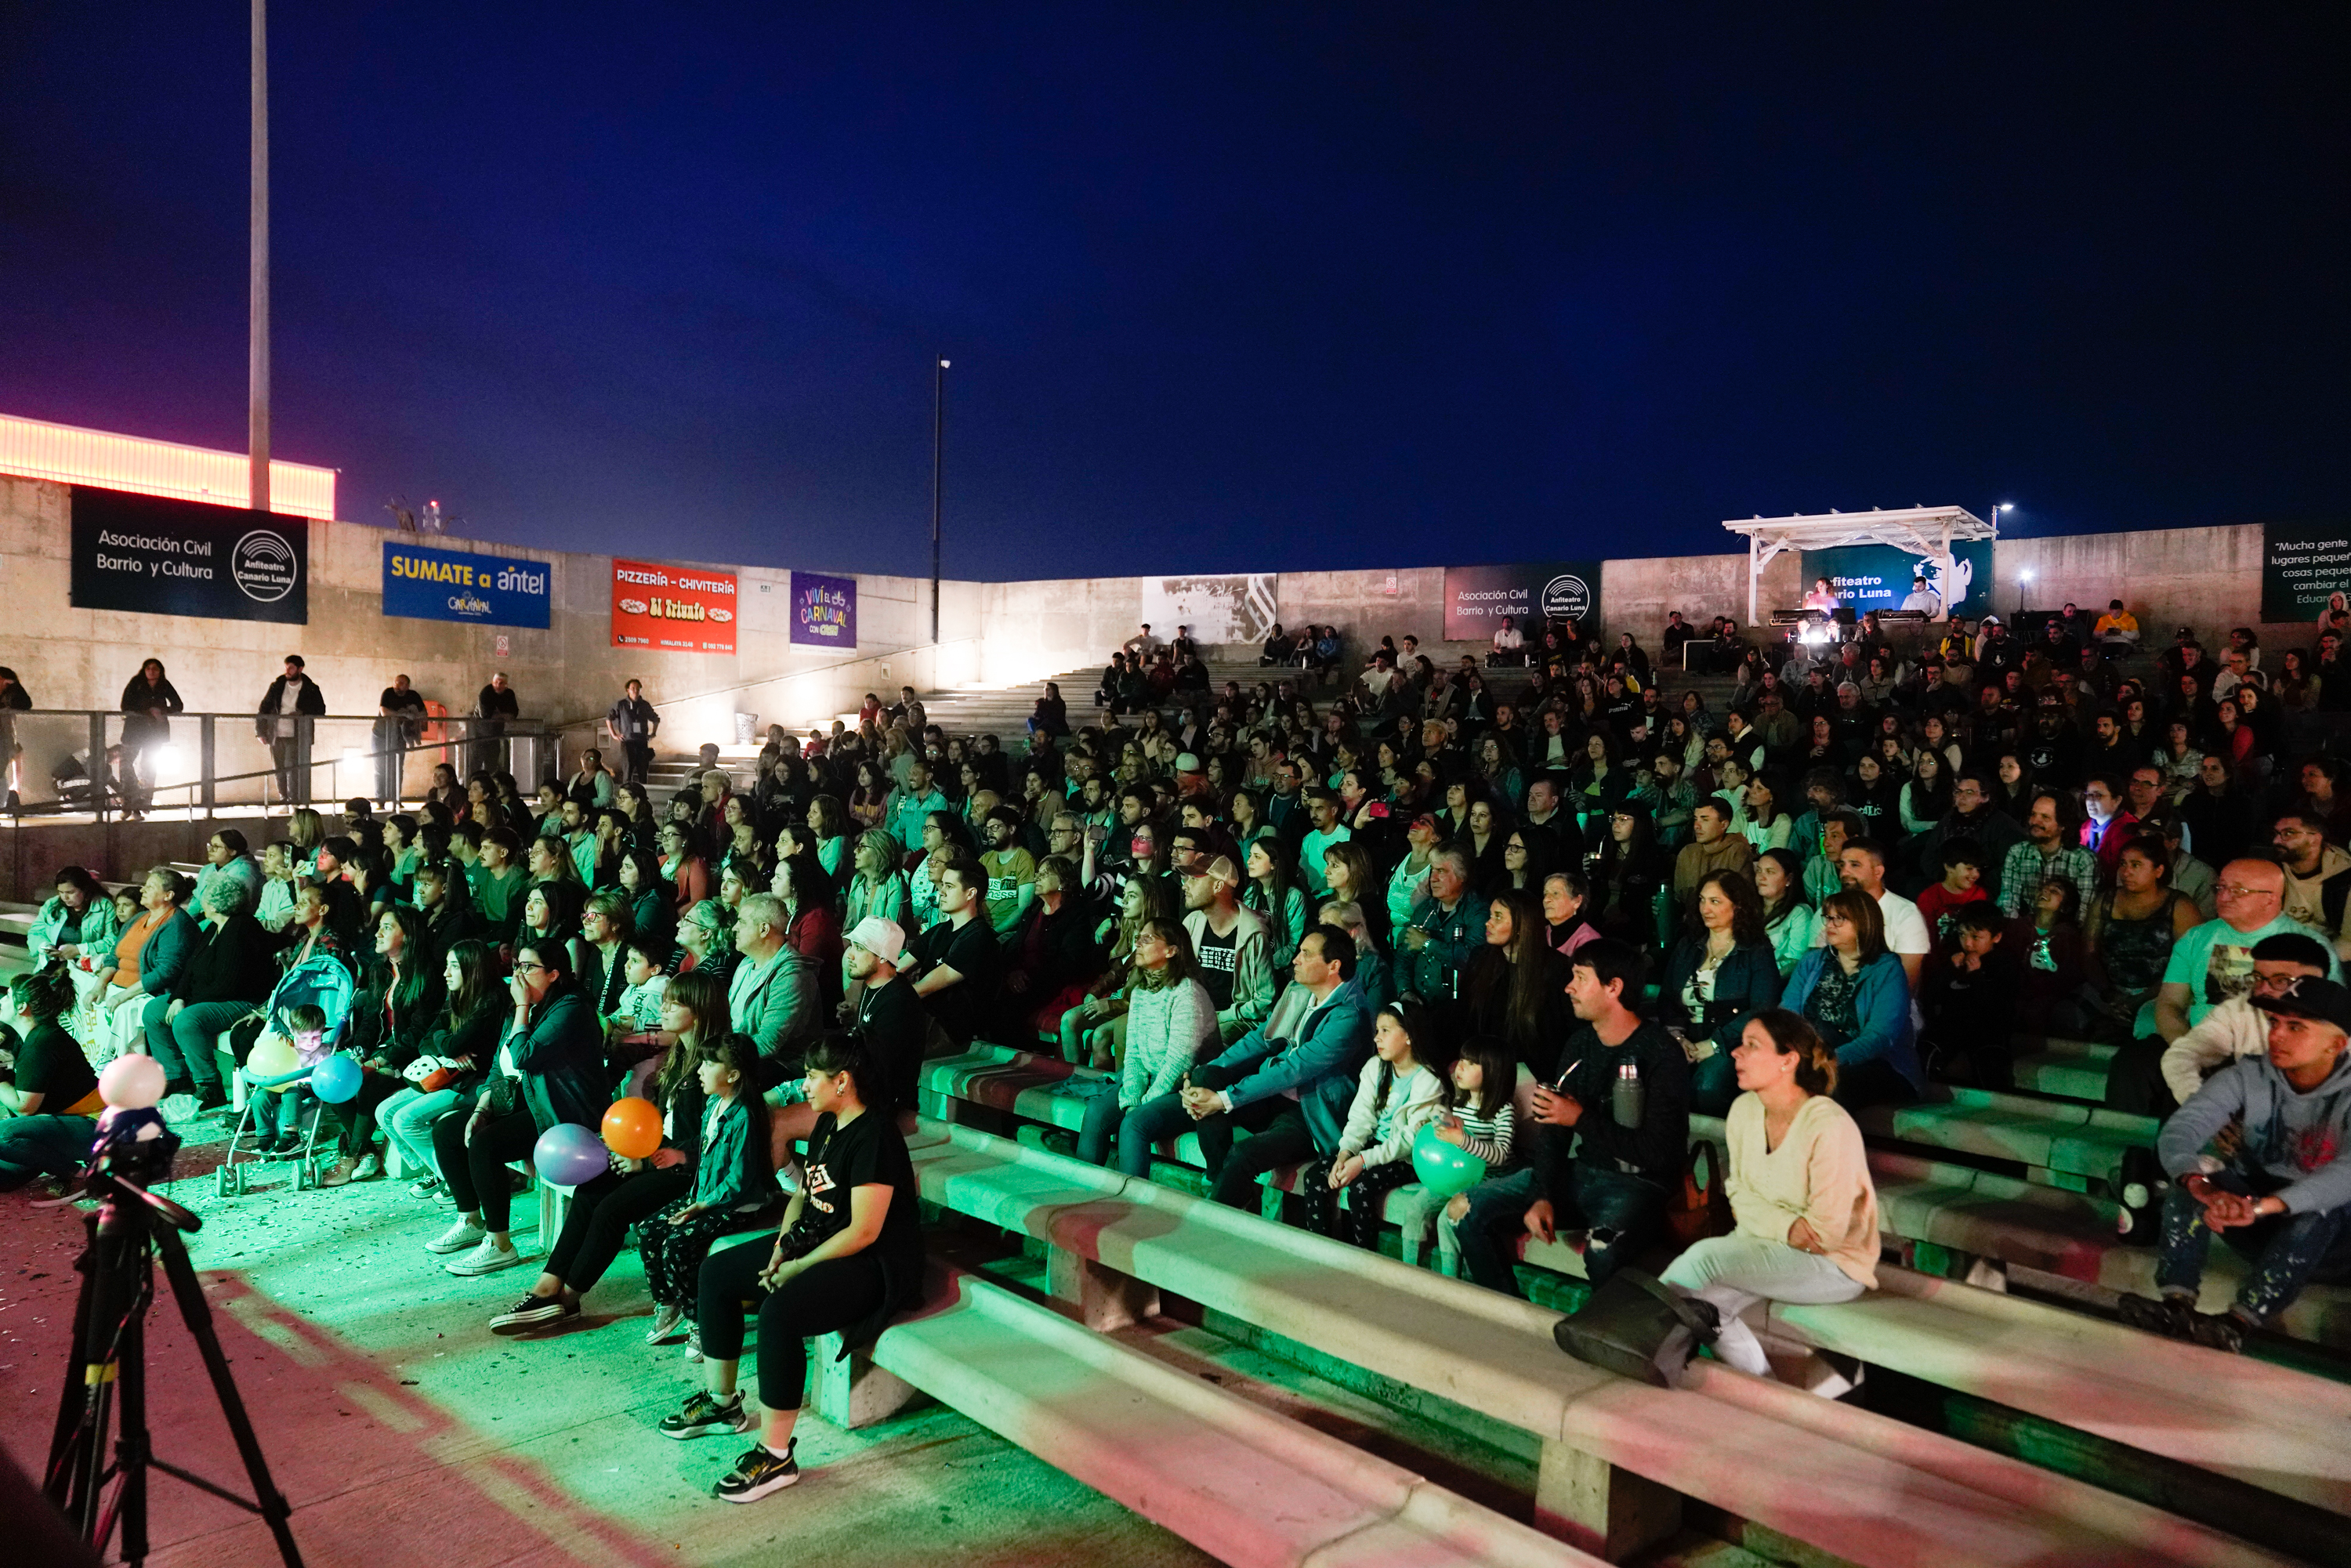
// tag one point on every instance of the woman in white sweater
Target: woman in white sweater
(1799, 1188)
(1397, 1092)
(1171, 1023)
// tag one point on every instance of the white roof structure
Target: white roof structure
(1929, 531)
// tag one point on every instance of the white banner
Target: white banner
(1217, 609)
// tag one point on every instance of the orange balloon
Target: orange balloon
(633, 1128)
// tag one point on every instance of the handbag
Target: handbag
(1703, 1207)
(1634, 1326)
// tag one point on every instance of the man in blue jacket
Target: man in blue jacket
(1288, 1083)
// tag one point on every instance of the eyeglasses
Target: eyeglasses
(521, 965)
(2239, 890)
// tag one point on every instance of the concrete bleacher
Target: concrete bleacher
(1616, 1456)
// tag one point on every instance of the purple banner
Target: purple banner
(824, 609)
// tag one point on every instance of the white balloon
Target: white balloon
(132, 1082)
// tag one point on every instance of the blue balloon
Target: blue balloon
(568, 1155)
(335, 1079)
(1444, 1168)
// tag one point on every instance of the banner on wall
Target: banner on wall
(682, 608)
(156, 556)
(1219, 610)
(1478, 598)
(1878, 577)
(422, 584)
(2304, 564)
(824, 609)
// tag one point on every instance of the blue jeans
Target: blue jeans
(34, 1145)
(1147, 1124)
(1101, 1128)
(2286, 1250)
(1619, 1213)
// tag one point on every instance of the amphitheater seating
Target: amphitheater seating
(2061, 1143)
(1242, 1483)
(1615, 1454)
(2068, 1068)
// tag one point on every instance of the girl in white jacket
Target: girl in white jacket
(1398, 1092)
(1171, 1023)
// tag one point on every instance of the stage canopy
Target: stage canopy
(1929, 531)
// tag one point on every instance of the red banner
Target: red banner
(680, 608)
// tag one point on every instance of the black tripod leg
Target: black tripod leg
(197, 1313)
(74, 1397)
(132, 1446)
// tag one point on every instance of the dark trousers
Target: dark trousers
(636, 761)
(2287, 1251)
(354, 1119)
(292, 757)
(37, 1145)
(1873, 1083)
(1279, 1137)
(188, 1046)
(477, 1172)
(1619, 1214)
(822, 1300)
(2134, 1080)
(600, 1214)
(1366, 1196)
(1155, 1121)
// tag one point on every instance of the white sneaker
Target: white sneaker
(486, 1259)
(370, 1166)
(669, 1326)
(694, 1343)
(461, 1234)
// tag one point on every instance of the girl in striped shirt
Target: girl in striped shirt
(1475, 1118)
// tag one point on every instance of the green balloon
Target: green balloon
(1444, 1168)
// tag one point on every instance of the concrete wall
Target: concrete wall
(2209, 579)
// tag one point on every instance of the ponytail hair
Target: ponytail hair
(841, 1051)
(41, 993)
(1791, 1035)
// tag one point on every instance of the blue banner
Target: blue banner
(1878, 576)
(451, 585)
(824, 609)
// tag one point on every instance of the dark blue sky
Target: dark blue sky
(1225, 287)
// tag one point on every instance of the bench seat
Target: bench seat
(1493, 1353)
(1250, 1487)
(2068, 1068)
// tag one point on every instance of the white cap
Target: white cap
(882, 938)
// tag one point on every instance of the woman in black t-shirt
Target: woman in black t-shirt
(849, 1256)
(52, 1093)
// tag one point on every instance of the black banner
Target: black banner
(1477, 597)
(154, 556)
(2303, 566)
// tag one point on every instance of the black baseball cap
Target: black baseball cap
(2310, 997)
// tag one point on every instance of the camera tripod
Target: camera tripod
(110, 1348)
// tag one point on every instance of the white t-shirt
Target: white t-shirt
(1906, 928)
(1509, 640)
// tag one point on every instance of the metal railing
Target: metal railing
(90, 761)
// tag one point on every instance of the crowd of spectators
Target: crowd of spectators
(1543, 918)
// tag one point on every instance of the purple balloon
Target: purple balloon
(569, 1154)
(335, 1079)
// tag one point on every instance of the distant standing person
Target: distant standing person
(496, 706)
(148, 704)
(633, 722)
(400, 725)
(14, 700)
(287, 708)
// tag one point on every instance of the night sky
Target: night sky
(1226, 288)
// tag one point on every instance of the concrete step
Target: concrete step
(1241, 1482)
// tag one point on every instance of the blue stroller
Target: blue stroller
(321, 981)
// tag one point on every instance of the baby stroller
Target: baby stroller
(321, 981)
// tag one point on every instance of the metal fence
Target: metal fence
(91, 762)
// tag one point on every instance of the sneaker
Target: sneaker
(531, 1311)
(370, 1168)
(669, 1326)
(2219, 1331)
(339, 1173)
(2169, 1316)
(757, 1473)
(694, 1343)
(486, 1259)
(461, 1234)
(425, 1187)
(179, 1107)
(705, 1416)
(2138, 1188)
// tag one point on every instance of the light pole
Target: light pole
(2024, 578)
(256, 361)
(938, 431)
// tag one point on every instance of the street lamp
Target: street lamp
(938, 428)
